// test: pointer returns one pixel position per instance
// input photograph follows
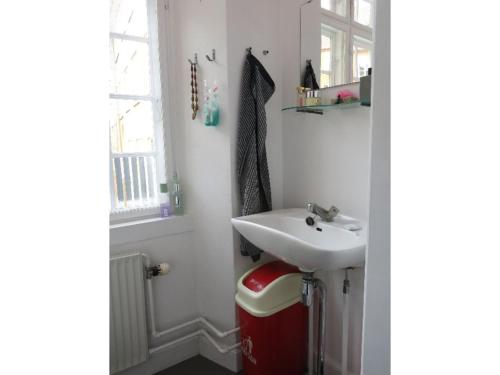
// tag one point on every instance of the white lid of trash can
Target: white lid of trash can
(269, 288)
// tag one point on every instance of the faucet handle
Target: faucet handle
(333, 211)
(310, 207)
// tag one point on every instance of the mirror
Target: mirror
(335, 41)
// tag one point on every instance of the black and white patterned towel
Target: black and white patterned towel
(257, 87)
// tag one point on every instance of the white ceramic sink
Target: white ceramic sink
(323, 246)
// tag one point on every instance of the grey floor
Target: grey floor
(197, 366)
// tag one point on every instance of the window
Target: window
(137, 156)
(346, 34)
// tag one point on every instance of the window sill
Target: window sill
(144, 229)
(134, 214)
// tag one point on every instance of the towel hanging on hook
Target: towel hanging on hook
(257, 87)
(264, 51)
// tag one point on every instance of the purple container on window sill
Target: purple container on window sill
(165, 210)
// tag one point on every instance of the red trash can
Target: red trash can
(273, 321)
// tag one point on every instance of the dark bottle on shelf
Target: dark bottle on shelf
(365, 88)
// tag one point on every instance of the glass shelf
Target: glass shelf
(318, 109)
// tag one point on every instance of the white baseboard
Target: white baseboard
(165, 359)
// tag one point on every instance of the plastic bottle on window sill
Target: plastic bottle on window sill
(177, 200)
(165, 210)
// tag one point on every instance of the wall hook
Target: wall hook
(213, 55)
(265, 52)
(195, 60)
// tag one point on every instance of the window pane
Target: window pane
(361, 57)
(363, 12)
(129, 64)
(134, 183)
(129, 17)
(326, 52)
(337, 6)
(131, 126)
(333, 48)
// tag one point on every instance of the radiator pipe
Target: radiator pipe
(201, 332)
(199, 320)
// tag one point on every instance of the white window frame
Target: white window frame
(159, 28)
(351, 28)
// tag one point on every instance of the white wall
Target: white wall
(205, 165)
(376, 340)
(326, 160)
(333, 349)
(204, 159)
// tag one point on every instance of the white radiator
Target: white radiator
(128, 336)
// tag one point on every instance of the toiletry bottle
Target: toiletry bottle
(177, 201)
(206, 103)
(214, 105)
(211, 105)
(300, 96)
(165, 210)
(316, 97)
(309, 97)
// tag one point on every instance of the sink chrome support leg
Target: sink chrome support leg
(320, 285)
(309, 285)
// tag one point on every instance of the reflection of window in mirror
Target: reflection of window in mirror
(361, 57)
(363, 12)
(346, 34)
(336, 6)
(333, 46)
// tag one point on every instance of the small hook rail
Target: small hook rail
(264, 52)
(213, 56)
(195, 60)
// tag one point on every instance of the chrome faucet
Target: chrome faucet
(325, 215)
